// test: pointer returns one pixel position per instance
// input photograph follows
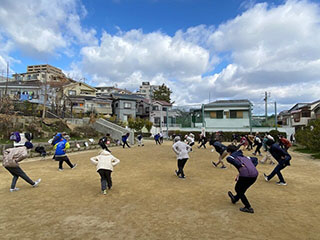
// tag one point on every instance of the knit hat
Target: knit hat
(28, 145)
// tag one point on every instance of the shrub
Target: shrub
(309, 135)
(84, 131)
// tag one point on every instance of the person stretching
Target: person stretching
(221, 149)
(247, 176)
(181, 149)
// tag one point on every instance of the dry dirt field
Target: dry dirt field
(149, 202)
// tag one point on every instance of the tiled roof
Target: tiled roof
(225, 103)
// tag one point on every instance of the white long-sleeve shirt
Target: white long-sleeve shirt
(105, 161)
(181, 149)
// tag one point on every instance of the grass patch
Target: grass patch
(314, 154)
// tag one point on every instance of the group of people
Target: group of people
(245, 165)
(105, 161)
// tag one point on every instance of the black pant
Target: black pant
(181, 163)
(241, 187)
(158, 141)
(105, 178)
(64, 159)
(277, 170)
(258, 149)
(161, 139)
(191, 144)
(125, 143)
(104, 147)
(203, 144)
(16, 173)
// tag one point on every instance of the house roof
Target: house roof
(90, 98)
(296, 106)
(80, 83)
(35, 83)
(163, 103)
(129, 97)
(229, 103)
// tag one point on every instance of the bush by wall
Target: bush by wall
(309, 136)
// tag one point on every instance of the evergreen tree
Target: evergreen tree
(162, 94)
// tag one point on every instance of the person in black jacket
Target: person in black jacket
(104, 141)
(221, 149)
(247, 176)
(283, 158)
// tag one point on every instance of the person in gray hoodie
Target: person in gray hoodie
(181, 149)
(11, 159)
(105, 163)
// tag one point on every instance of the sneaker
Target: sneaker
(231, 197)
(104, 192)
(247, 210)
(266, 177)
(262, 162)
(223, 167)
(214, 164)
(14, 189)
(60, 169)
(254, 153)
(74, 166)
(282, 183)
(176, 172)
(36, 183)
(183, 177)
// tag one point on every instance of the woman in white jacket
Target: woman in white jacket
(182, 150)
(105, 163)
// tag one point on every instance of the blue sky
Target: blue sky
(231, 49)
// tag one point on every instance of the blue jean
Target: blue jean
(277, 170)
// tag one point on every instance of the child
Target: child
(104, 141)
(105, 163)
(140, 140)
(157, 138)
(258, 143)
(161, 137)
(247, 176)
(203, 141)
(60, 154)
(283, 158)
(125, 139)
(268, 155)
(11, 159)
(182, 150)
(221, 149)
(190, 139)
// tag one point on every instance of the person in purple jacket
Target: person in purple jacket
(247, 176)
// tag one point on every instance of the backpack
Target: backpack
(15, 136)
(28, 136)
(249, 168)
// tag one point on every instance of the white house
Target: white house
(224, 114)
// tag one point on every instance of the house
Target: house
(224, 114)
(124, 106)
(161, 111)
(302, 114)
(79, 89)
(89, 104)
(111, 90)
(284, 118)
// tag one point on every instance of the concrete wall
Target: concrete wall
(114, 130)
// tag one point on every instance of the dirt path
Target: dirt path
(149, 202)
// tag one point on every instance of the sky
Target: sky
(204, 50)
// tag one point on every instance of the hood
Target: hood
(104, 153)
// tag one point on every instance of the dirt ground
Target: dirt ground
(149, 202)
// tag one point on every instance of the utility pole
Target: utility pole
(202, 113)
(250, 118)
(266, 105)
(45, 96)
(275, 115)
(167, 124)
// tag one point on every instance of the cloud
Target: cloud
(44, 27)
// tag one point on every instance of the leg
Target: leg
(15, 177)
(221, 157)
(103, 179)
(241, 187)
(60, 164)
(275, 171)
(127, 144)
(179, 166)
(66, 159)
(109, 179)
(183, 163)
(20, 173)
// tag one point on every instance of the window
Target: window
(236, 114)
(127, 105)
(164, 109)
(155, 108)
(305, 114)
(216, 114)
(72, 92)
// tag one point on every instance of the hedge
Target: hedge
(309, 136)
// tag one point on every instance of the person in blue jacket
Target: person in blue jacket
(60, 154)
(247, 176)
(125, 139)
(283, 158)
(157, 138)
(221, 149)
(57, 138)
